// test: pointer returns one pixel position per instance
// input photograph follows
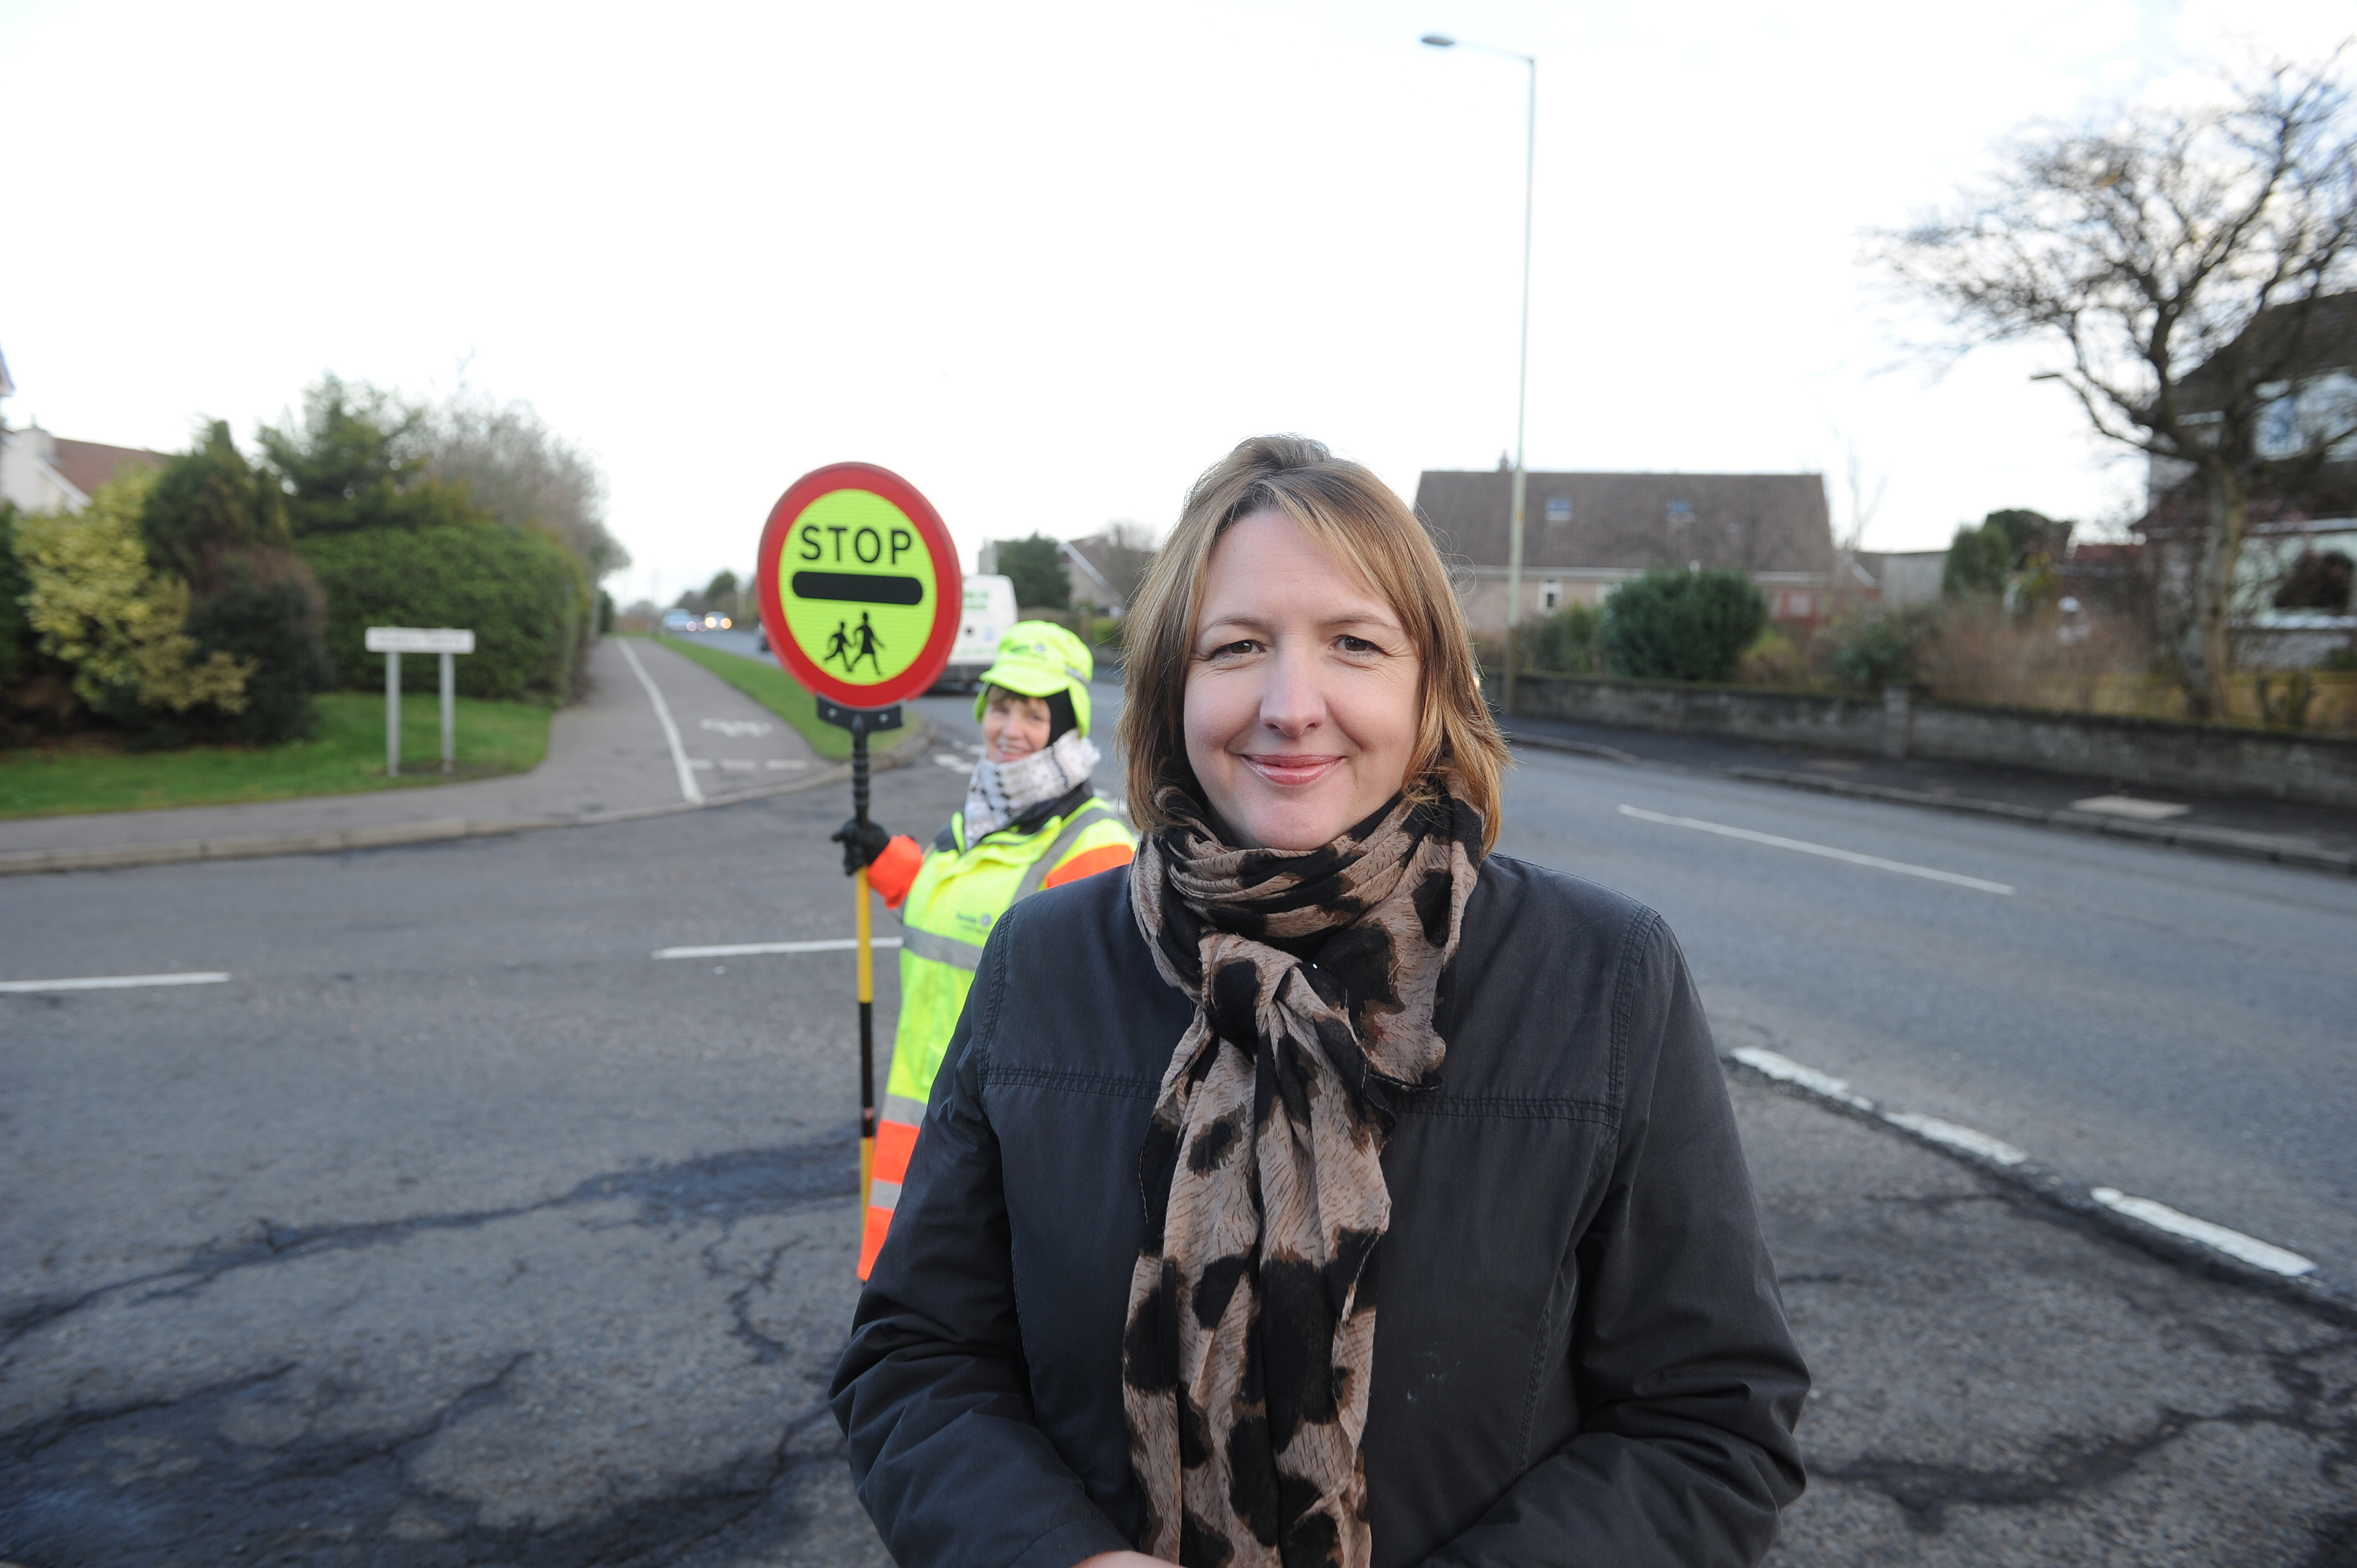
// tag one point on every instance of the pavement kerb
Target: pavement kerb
(2210, 840)
(390, 835)
(2040, 1184)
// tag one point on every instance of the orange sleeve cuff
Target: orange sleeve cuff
(894, 872)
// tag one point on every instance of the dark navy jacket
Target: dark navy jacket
(1580, 1354)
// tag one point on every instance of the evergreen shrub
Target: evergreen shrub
(523, 594)
(1674, 625)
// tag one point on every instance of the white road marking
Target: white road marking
(739, 764)
(2233, 1243)
(956, 764)
(778, 762)
(1784, 1069)
(735, 729)
(1970, 1140)
(746, 949)
(1804, 847)
(118, 981)
(687, 785)
(2129, 806)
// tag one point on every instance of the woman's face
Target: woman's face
(1013, 725)
(1301, 689)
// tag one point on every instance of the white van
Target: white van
(989, 612)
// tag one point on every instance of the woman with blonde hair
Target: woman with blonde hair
(1329, 1189)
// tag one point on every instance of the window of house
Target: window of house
(1558, 509)
(1551, 590)
(1681, 511)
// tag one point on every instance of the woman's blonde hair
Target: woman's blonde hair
(1379, 541)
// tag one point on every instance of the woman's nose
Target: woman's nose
(1291, 703)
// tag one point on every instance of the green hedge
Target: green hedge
(524, 596)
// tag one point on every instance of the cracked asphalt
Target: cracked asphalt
(455, 1230)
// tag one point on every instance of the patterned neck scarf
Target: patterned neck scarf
(1250, 1341)
(1001, 791)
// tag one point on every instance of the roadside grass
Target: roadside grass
(782, 695)
(100, 773)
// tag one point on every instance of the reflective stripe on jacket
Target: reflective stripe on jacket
(959, 895)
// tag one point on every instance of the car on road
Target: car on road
(680, 621)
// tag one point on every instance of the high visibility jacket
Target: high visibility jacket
(959, 894)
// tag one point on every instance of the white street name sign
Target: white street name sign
(419, 639)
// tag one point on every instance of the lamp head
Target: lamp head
(1440, 41)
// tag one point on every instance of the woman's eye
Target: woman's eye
(1234, 650)
(1349, 644)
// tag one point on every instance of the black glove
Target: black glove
(861, 843)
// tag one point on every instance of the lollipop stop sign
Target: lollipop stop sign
(860, 598)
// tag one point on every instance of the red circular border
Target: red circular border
(949, 586)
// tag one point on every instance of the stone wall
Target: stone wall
(2157, 753)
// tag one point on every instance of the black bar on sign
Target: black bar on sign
(855, 587)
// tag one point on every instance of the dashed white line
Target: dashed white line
(749, 950)
(118, 981)
(2233, 1243)
(1784, 1069)
(1972, 1141)
(1803, 846)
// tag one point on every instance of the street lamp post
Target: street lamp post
(1522, 385)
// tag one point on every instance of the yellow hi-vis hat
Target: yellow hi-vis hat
(1039, 659)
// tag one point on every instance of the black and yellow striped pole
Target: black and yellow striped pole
(862, 723)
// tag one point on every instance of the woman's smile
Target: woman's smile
(1293, 771)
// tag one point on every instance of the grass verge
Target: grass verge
(782, 695)
(100, 774)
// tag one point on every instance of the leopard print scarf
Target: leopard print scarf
(1250, 1341)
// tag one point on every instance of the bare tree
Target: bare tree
(514, 467)
(2178, 259)
(1866, 495)
(1127, 552)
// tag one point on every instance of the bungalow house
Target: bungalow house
(41, 472)
(1585, 534)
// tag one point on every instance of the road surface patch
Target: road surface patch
(1802, 846)
(116, 982)
(749, 950)
(1957, 1138)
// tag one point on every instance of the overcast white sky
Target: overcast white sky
(1050, 261)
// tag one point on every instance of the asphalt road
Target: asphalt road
(2169, 1025)
(455, 1228)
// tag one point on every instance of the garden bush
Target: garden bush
(1682, 624)
(1881, 648)
(523, 594)
(263, 610)
(96, 604)
(1563, 643)
(221, 525)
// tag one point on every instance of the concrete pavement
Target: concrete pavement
(655, 732)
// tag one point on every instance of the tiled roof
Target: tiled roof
(87, 465)
(1760, 522)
